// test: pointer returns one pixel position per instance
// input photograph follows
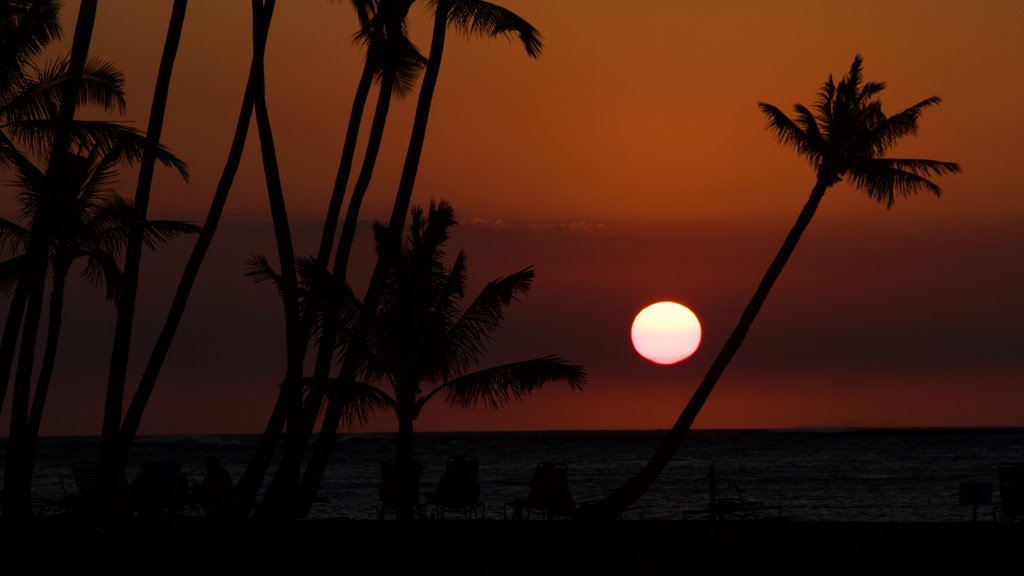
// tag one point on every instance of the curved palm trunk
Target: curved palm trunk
(291, 389)
(287, 476)
(147, 382)
(614, 504)
(252, 479)
(354, 356)
(133, 252)
(17, 488)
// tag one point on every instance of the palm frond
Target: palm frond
(883, 179)
(258, 267)
(102, 269)
(468, 338)
(476, 17)
(501, 385)
(359, 400)
(12, 236)
(10, 271)
(102, 85)
(904, 123)
(26, 27)
(788, 133)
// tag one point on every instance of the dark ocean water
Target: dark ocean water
(853, 475)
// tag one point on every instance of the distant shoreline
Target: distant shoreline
(809, 429)
(201, 546)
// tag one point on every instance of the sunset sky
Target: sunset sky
(628, 164)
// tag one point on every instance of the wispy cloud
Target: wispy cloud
(581, 226)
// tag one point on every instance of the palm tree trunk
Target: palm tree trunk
(18, 489)
(133, 252)
(614, 504)
(354, 356)
(291, 389)
(300, 430)
(348, 152)
(15, 315)
(408, 493)
(133, 417)
(251, 480)
(35, 417)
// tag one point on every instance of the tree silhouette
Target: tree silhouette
(121, 347)
(392, 59)
(87, 220)
(845, 136)
(472, 17)
(422, 346)
(30, 99)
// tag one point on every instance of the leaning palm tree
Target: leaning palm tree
(845, 136)
(422, 346)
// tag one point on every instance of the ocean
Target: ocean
(903, 475)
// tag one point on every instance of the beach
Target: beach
(334, 546)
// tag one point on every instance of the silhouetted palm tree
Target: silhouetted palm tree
(30, 98)
(845, 136)
(423, 346)
(17, 487)
(87, 220)
(473, 17)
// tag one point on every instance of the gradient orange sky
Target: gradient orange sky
(628, 164)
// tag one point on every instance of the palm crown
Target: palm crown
(847, 134)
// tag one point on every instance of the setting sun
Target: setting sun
(666, 333)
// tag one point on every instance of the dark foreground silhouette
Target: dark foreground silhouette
(202, 546)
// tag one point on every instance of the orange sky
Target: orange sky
(628, 164)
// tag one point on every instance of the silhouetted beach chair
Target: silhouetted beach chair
(734, 506)
(398, 489)
(458, 490)
(1011, 492)
(79, 488)
(549, 495)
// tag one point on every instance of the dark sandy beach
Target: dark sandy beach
(198, 546)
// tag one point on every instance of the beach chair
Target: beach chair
(458, 490)
(549, 495)
(1011, 492)
(399, 488)
(733, 506)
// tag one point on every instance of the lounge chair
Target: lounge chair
(399, 489)
(549, 495)
(733, 506)
(458, 490)
(1011, 492)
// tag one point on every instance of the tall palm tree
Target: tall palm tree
(473, 17)
(845, 136)
(121, 347)
(17, 488)
(30, 99)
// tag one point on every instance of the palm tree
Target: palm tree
(422, 346)
(472, 17)
(88, 221)
(30, 99)
(121, 347)
(845, 136)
